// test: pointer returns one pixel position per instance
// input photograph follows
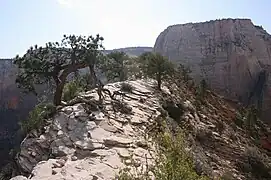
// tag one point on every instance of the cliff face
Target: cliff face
(232, 55)
(11, 97)
(14, 106)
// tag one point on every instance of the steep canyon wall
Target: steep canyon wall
(14, 106)
(232, 55)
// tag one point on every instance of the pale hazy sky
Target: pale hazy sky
(122, 23)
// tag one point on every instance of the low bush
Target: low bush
(201, 93)
(126, 87)
(71, 90)
(172, 161)
(36, 117)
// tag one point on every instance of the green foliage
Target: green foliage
(125, 175)
(122, 107)
(248, 119)
(171, 163)
(126, 87)
(201, 93)
(6, 171)
(133, 68)
(36, 117)
(184, 72)
(115, 67)
(72, 89)
(139, 174)
(79, 84)
(251, 118)
(85, 81)
(239, 118)
(156, 66)
(55, 61)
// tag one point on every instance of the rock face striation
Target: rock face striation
(232, 55)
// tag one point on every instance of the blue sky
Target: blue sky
(122, 23)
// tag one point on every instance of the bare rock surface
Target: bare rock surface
(85, 142)
(232, 55)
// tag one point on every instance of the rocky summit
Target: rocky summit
(85, 140)
(232, 55)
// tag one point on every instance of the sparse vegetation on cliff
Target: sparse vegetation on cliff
(71, 90)
(172, 161)
(37, 117)
(55, 61)
(201, 93)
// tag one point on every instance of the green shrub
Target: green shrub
(126, 87)
(248, 120)
(201, 93)
(125, 175)
(122, 107)
(85, 81)
(251, 119)
(36, 117)
(239, 119)
(171, 163)
(184, 72)
(71, 90)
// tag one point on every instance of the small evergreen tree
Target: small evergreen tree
(185, 71)
(156, 66)
(115, 67)
(55, 61)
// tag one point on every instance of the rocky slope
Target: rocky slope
(15, 105)
(87, 141)
(233, 55)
